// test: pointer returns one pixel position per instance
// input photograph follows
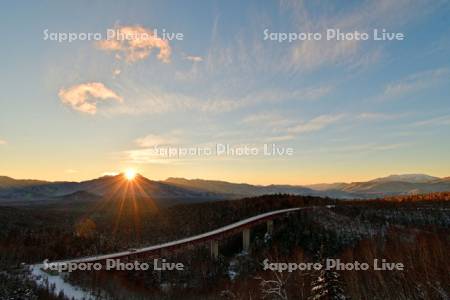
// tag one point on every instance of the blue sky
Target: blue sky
(351, 110)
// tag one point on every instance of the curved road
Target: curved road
(190, 240)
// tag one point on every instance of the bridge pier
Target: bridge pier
(270, 227)
(246, 240)
(214, 249)
(158, 271)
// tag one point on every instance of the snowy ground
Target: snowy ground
(47, 280)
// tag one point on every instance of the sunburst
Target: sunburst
(130, 174)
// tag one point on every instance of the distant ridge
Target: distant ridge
(176, 190)
(106, 186)
(392, 185)
(412, 178)
(236, 190)
(8, 182)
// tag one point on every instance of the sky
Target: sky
(349, 109)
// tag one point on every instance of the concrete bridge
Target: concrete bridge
(213, 237)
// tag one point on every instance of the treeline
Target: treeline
(443, 196)
(412, 231)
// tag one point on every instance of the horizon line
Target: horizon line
(220, 180)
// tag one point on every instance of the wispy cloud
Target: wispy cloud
(312, 54)
(273, 123)
(416, 82)
(152, 140)
(138, 46)
(279, 138)
(248, 53)
(375, 116)
(441, 120)
(84, 97)
(148, 101)
(290, 127)
(264, 117)
(221, 105)
(158, 101)
(3, 142)
(316, 124)
(368, 147)
(265, 96)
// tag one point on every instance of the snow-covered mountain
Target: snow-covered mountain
(405, 184)
(412, 178)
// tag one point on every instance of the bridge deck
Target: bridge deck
(197, 238)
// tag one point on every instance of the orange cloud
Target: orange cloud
(135, 43)
(84, 97)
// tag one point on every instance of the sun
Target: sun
(130, 174)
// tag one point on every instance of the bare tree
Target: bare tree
(274, 288)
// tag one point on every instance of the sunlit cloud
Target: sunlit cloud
(84, 97)
(3, 142)
(146, 156)
(193, 58)
(139, 47)
(116, 72)
(152, 140)
(110, 173)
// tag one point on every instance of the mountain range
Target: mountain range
(25, 191)
(173, 190)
